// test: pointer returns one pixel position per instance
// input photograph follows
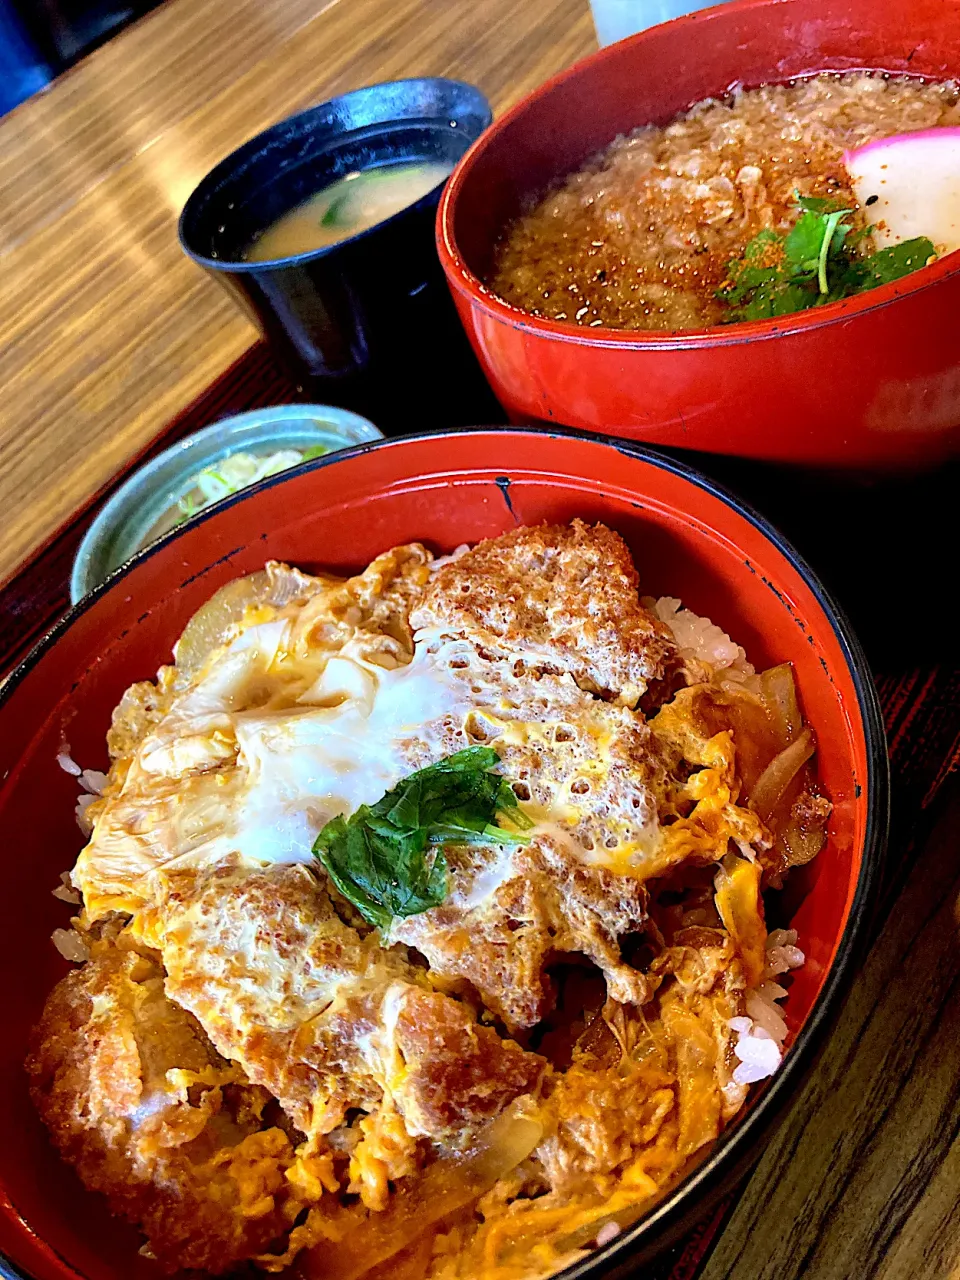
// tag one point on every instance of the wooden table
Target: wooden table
(106, 332)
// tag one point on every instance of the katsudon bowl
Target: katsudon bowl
(869, 383)
(688, 538)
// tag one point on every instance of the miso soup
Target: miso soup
(348, 206)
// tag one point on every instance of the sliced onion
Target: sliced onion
(780, 695)
(770, 787)
(369, 1239)
(505, 1143)
(209, 627)
(745, 715)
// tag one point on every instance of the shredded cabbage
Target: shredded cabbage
(236, 472)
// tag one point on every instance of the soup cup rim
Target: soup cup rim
(251, 145)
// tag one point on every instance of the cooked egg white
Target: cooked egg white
(261, 752)
(273, 740)
(309, 764)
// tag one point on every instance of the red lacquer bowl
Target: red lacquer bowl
(689, 539)
(873, 382)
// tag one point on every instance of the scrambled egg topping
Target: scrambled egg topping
(252, 1072)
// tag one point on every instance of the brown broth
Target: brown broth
(641, 236)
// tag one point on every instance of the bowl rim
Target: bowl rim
(223, 167)
(324, 415)
(469, 285)
(738, 1146)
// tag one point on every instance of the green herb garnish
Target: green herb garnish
(812, 264)
(889, 264)
(331, 217)
(387, 858)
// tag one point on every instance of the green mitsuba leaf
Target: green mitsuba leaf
(894, 263)
(388, 859)
(812, 264)
(817, 204)
(803, 244)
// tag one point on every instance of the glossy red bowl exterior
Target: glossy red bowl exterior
(872, 382)
(688, 538)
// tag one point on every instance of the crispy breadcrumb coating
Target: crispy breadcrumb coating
(139, 1102)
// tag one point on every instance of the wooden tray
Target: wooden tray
(874, 543)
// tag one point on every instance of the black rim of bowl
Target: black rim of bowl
(740, 1144)
(210, 181)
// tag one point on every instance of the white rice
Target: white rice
(70, 945)
(67, 941)
(92, 782)
(80, 813)
(782, 952)
(762, 1031)
(699, 637)
(65, 890)
(609, 1231)
(66, 761)
(455, 554)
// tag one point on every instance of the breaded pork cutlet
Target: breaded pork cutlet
(140, 1103)
(260, 1053)
(326, 1019)
(560, 598)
